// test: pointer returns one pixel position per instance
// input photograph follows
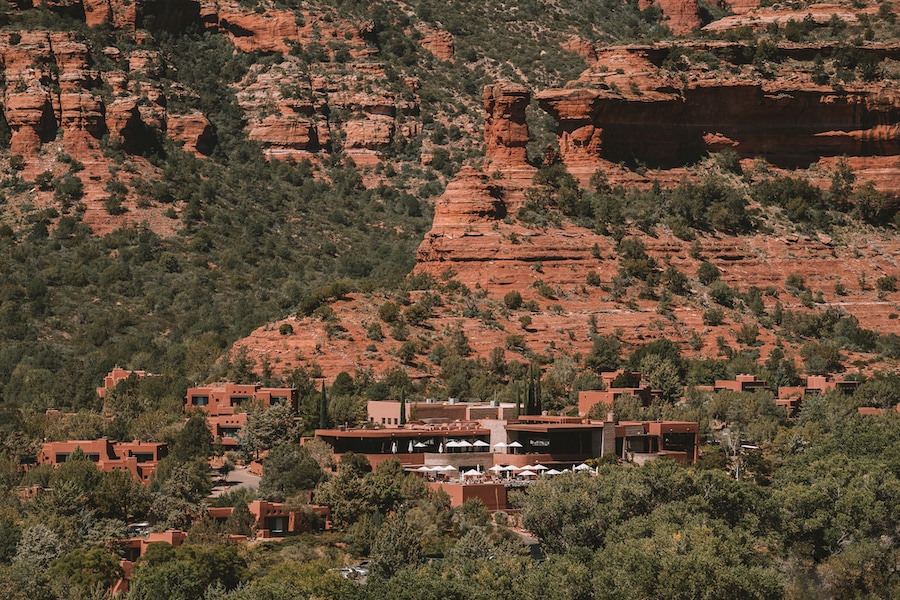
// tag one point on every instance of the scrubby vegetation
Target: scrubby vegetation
(800, 508)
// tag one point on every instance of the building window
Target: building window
(200, 400)
(382, 420)
(395, 421)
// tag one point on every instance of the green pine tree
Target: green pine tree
(402, 407)
(323, 409)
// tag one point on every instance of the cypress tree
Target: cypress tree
(323, 409)
(529, 393)
(518, 402)
(402, 407)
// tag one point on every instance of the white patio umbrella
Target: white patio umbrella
(464, 444)
(441, 448)
(500, 445)
(447, 468)
(581, 467)
(496, 469)
(452, 444)
(511, 468)
(394, 448)
(424, 469)
(540, 467)
(514, 445)
(552, 472)
(472, 473)
(527, 474)
(481, 444)
(410, 448)
(528, 467)
(420, 445)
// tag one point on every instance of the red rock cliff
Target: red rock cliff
(646, 115)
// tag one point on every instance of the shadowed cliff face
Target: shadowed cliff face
(790, 128)
(650, 117)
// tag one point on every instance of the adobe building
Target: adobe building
(492, 495)
(117, 375)
(641, 441)
(138, 458)
(275, 519)
(741, 383)
(233, 398)
(559, 442)
(386, 413)
(791, 397)
(226, 405)
(465, 441)
(820, 384)
(589, 398)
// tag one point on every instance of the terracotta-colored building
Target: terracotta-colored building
(589, 398)
(233, 398)
(136, 547)
(118, 374)
(644, 440)
(559, 442)
(492, 495)
(226, 405)
(386, 413)
(138, 458)
(632, 379)
(275, 519)
(413, 441)
(741, 383)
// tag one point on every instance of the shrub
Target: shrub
(748, 334)
(389, 312)
(888, 283)
(416, 315)
(675, 280)
(373, 331)
(707, 273)
(721, 293)
(729, 161)
(634, 260)
(286, 329)
(593, 278)
(515, 342)
(113, 205)
(44, 181)
(795, 282)
(407, 352)
(713, 317)
(546, 291)
(512, 300)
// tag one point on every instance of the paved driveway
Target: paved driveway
(241, 477)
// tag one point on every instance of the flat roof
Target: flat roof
(401, 433)
(548, 427)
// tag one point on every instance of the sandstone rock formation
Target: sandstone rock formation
(439, 43)
(644, 115)
(505, 130)
(294, 112)
(682, 16)
(193, 130)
